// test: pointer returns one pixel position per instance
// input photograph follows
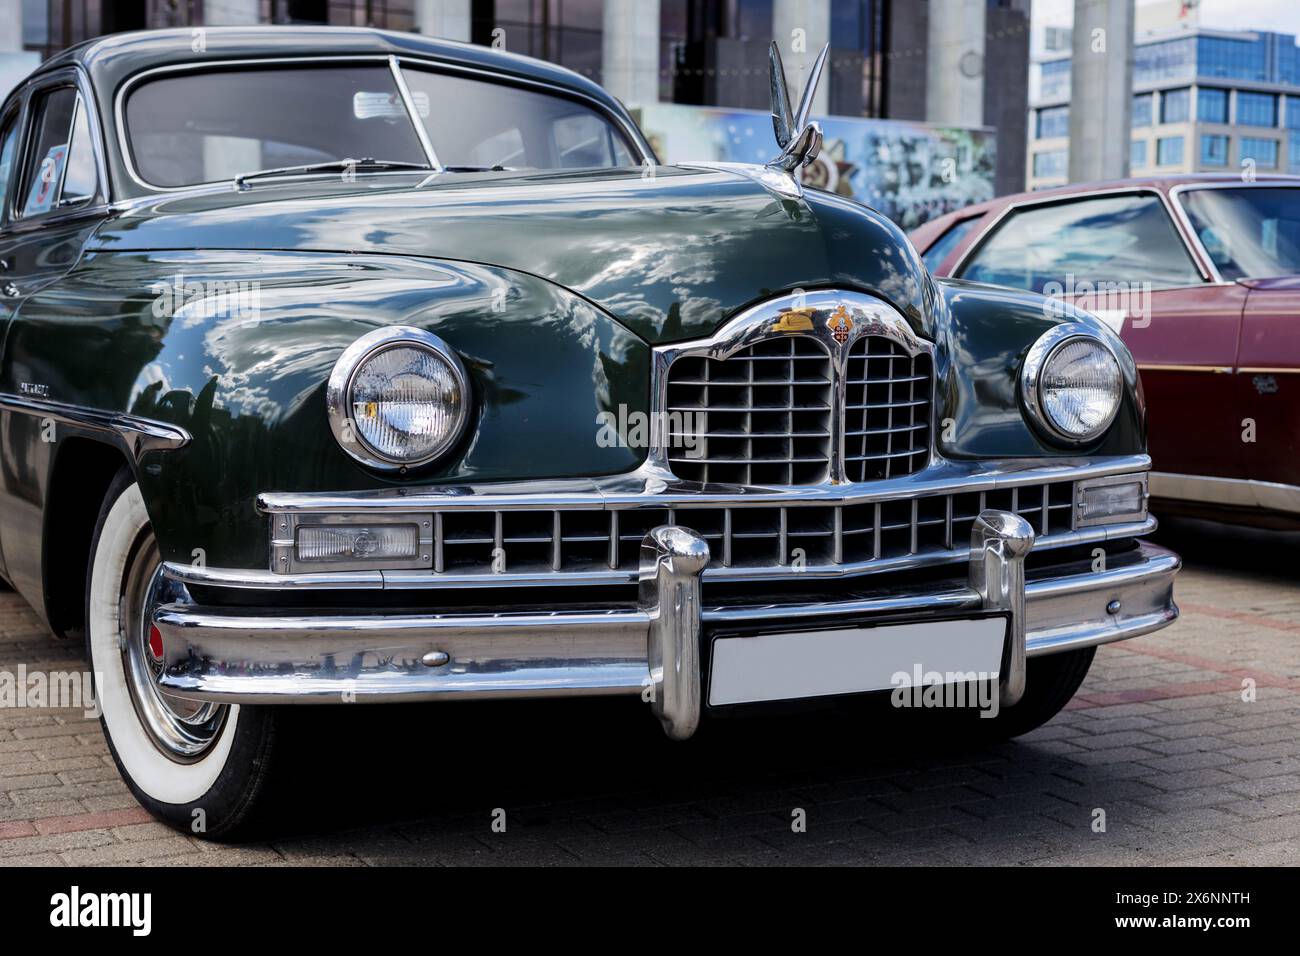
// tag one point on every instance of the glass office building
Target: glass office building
(1203, 101)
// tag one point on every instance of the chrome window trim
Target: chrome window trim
(1201, 266)
(1180, 214)
(124, 145)
(1031, 385)
(872, 317)
(140, 435)
(339, 386)
(421, 133)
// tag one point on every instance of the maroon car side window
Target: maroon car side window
(1122, 237)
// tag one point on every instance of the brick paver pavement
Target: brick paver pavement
(1159, 739)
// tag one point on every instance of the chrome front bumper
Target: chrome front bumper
(652, 649)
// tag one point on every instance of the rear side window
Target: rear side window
(60, 169)
(945, 244)
(1124, 238)
(8, 144)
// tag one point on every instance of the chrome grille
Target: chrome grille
(760, 417)
(813, 536)
(764, 415)
(886, 410)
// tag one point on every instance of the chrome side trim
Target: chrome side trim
(998, 544)
(242, 656)
(139, 435)
(1239, 492)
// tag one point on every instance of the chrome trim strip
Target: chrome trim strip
(251, 657)
(1240, 492)
(140, 435)
(421, 133)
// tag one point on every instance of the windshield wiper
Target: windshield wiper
(344, 164)
(495, 168)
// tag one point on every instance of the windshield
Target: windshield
(201, 127)
(208, 127)
(477, 124)
(1250, 233)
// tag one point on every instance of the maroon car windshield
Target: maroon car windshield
(1250, 232)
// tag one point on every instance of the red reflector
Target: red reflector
(155, 642)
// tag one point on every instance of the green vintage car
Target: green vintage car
(347, 366)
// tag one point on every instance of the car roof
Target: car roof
(118, 55)
(1163, 183)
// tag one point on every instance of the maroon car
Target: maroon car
(1201, 276)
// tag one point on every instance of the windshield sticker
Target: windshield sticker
(387, 105)
(41, 197)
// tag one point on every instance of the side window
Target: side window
(60, 169)
(1125, 238)
(939, 250)
(8, 145)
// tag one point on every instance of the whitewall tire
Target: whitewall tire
(198, 767)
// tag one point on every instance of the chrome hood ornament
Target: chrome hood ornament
(799, 139)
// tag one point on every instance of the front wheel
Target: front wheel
(1050, 683)
(199, 767)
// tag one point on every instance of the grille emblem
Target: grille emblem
(840, 325)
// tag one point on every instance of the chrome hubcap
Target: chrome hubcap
(182, 729)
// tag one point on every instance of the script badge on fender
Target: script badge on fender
(840, 324)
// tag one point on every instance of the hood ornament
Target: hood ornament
(799, 139)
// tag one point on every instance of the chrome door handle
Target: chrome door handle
(11, 290)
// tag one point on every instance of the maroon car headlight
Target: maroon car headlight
(1072, 384)
(397, 398)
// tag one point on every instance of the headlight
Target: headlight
(1072, 384)
(397, 398)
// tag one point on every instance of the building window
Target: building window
(1169, 151)
(1055, 79)
(1175, 106)
(1256, 109)
(1214, 150)
(1141, 110)
(1211, 105)
(1293, 112)
(1238, 59)
(1169, 60)
(1051, 163)
(1293, 152)
(1054, 122)
(1137, 154)
(1262, 151)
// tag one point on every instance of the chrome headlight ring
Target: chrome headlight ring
(1039, 358)
(339, 403)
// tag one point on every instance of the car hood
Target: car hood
(670, 253)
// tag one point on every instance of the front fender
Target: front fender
(236, 349)
(982, 334)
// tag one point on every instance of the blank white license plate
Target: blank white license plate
(850, 660)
